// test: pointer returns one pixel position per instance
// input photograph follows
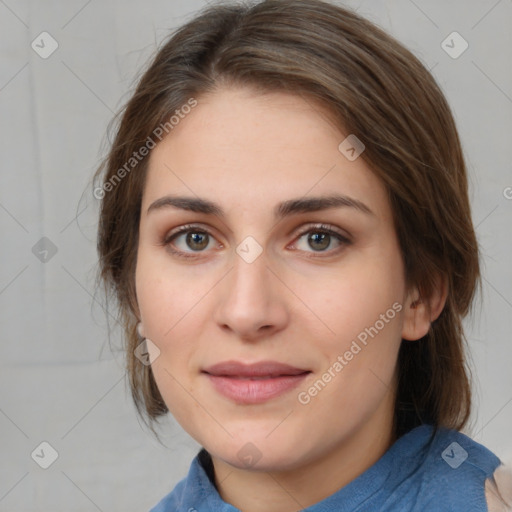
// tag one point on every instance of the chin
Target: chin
(255, 453)
(258, 462)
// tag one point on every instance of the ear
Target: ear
(140, 330)
(420, 312)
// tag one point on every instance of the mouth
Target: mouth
(254, 383)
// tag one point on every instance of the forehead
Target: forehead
(240, 146)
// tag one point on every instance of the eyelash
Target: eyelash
(190, 228)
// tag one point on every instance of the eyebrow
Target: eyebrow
(282, 210)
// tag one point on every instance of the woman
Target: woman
(286, 227)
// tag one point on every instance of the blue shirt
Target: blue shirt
(444, 473)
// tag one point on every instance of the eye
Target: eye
(188, 240)
(191, 241)
(320, 239)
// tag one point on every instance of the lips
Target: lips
(254, 383)
(264, 369)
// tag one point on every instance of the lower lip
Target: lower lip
(256, 391)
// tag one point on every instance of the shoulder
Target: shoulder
(196, 492)
(450, 471)
(172, 501)
(498, 490)
(188, 493)
(450, 452)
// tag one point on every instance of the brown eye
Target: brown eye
(188, 241)
(319, 241)
(197, 240)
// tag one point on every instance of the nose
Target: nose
(251, 301)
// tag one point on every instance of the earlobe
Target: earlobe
(419, 313)
(140, 330)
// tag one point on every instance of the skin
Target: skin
(299, 303)
(498, 490)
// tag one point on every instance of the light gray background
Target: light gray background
(60, 380)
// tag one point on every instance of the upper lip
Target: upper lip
(260, 369)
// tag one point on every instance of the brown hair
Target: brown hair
(375, 89)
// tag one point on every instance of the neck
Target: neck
(288, 491)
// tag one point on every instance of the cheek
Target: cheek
(359, 360)
(170, 311)
(361, 305)
(166, 297)
(354, 298)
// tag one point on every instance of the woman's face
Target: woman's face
(279, 312)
